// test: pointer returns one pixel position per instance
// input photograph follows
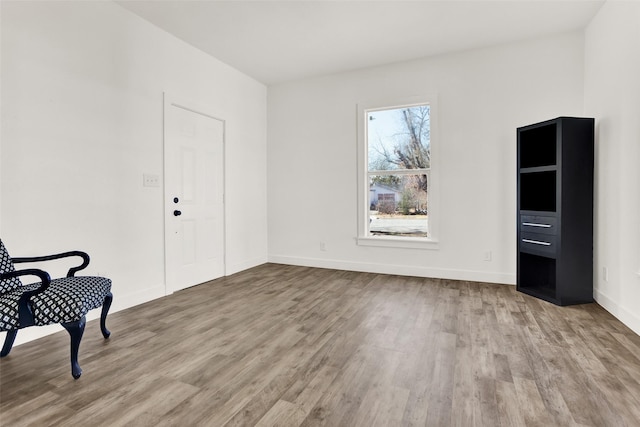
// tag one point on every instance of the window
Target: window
(396, 159)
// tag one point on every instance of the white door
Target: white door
(194, 198)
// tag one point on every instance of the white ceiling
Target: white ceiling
(277, 41)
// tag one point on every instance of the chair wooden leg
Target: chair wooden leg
(103, 317)
(75, 329)
(8, 342)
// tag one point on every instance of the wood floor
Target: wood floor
(287, 346)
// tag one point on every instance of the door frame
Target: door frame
(170, 100)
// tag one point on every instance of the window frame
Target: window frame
(364, 236)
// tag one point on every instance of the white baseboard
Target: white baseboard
(33, 333)
(401, 270)
(120, 302)
(244, 265)
(632, 321)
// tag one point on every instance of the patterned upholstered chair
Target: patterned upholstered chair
(65, 300)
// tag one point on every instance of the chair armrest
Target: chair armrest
(72, 270)
(25, 313)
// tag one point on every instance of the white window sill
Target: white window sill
(399, 242)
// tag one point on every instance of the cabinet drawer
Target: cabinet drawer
(537, 243)
(538, 224)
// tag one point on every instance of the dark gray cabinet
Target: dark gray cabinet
(555, 210)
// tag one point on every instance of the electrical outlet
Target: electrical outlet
(150, 180)
(605, 274)
(323, 246)
(487, 256)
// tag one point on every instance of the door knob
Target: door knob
(177, 213)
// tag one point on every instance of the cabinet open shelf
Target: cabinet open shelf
(538, 276)
(538, 191)
(538, 146)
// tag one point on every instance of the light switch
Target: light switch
(150, 180)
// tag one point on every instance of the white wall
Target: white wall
(483, 95)
(612, 96)
(82, 105)
(81, 99)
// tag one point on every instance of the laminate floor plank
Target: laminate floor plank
(280, 345)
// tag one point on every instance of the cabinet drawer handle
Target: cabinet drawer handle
(533, 224)
(536, 242)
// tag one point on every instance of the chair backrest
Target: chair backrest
(6, 266)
